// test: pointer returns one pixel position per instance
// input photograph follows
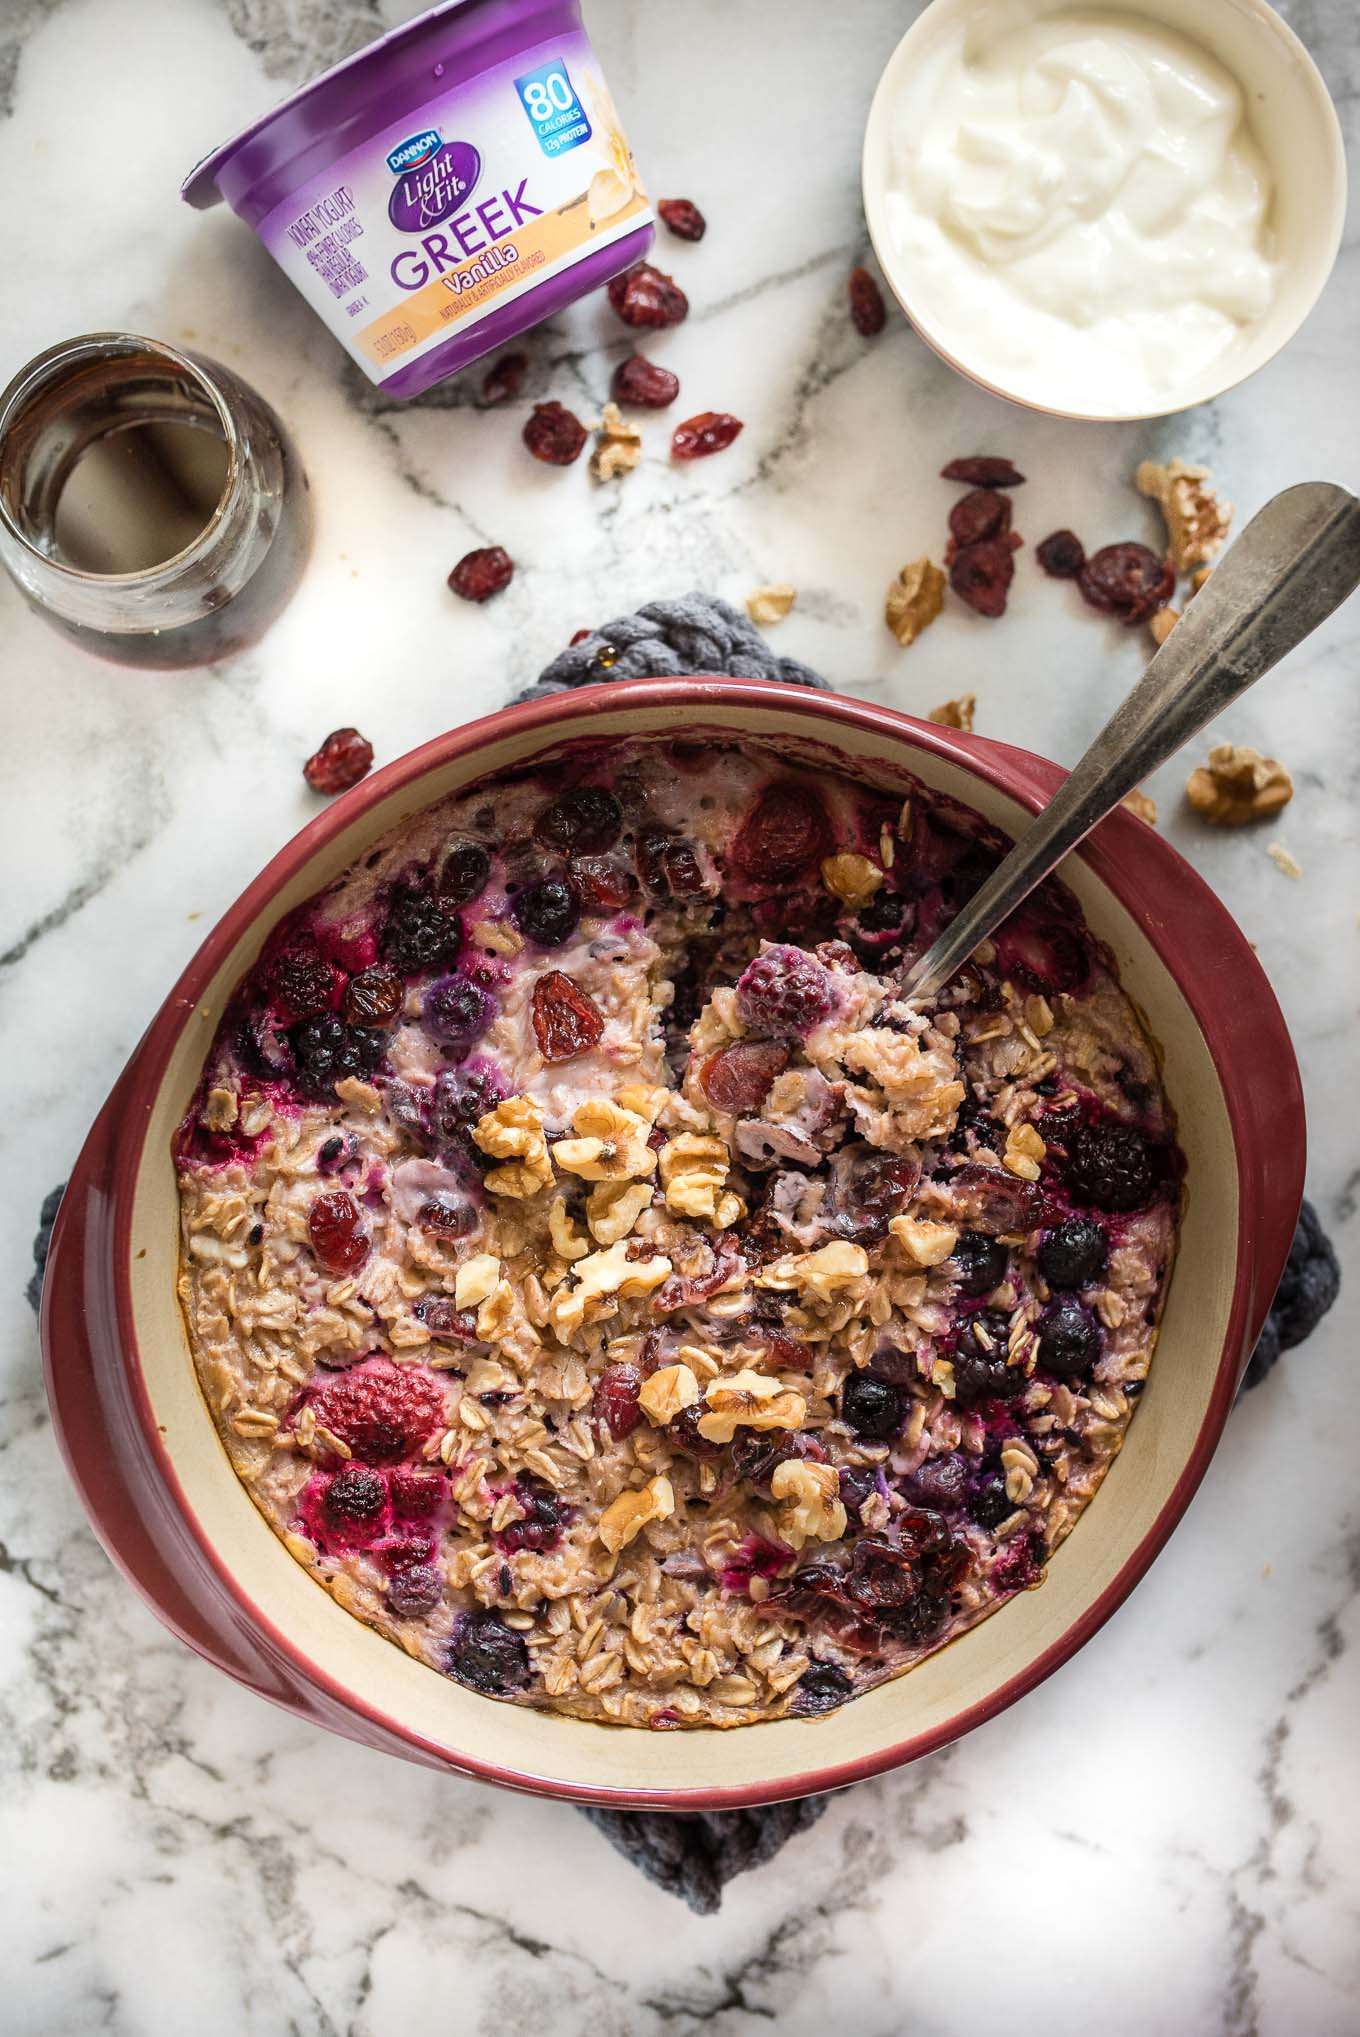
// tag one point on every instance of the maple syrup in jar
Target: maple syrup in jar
(152, 507)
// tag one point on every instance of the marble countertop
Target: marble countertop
(1165, 1832)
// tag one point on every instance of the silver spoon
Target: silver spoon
(1295, 562)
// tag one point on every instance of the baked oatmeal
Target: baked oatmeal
(613, 1293)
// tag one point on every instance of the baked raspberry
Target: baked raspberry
(784, 832)
(415, 1590)
(355, 1496)
(785, 993)
(384, 1412)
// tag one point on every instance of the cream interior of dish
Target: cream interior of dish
(586, 1424)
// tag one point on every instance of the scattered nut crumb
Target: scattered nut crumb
(1238, 785)
(1138, 802)
(852, 878)
(1198, 579)
(770, 604)
(955, 714)
(1196, 521)
(1282, 860)
(1161, 623)
(619, 446)
(914, 600)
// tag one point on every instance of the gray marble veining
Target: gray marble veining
(1163, 1836)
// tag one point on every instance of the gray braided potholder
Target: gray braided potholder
(695, 1855)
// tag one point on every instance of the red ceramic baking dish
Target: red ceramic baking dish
(170, 1511)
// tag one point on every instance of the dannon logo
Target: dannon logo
(410, 154)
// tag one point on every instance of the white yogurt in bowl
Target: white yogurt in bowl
(1104, 211)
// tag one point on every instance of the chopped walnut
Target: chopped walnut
(1161, 623)
(670, 1390)
(630, 1513)
(220, 1110)
(611, 1143)
(619, 446)
(920, 1085)
(1196, 521)
(770, 604)
(567, 1241)
(1024, 1152)
(1286, 864)
(925, 1243)
(496, 1313)
(513, 1132)
(749, 1400)
(1238, 785)
(821, 1274)
(851, 878)
(497, 935)
(600, 1275)
(813, 1511)
(475, 1279)
(644, 1099)
(914, 600)
(614, 1207)
(1138, 802)
(955, 714)
(694, 1168)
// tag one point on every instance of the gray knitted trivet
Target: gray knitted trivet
(695, 1855)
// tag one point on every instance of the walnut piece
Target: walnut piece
(921, 1087)
(1196, 521)
(513, 1132)
(619, 446)
(955, 714)
(614, 1207)
(611, 1143)
(914, 599)
(1161, 623)
(598, 1277)
(630, 1513)
(475, 1279)
(749, 1400)
(1238, 785)
(851, 878)
(220, 1110)
(925, 1243)
(1024, 1152)
(496, 1313)
(770, 604)
(694, 1168)
(821, 1274)
(670, 1390)
(567, 1241)
(1138, 802)
(813, 1511)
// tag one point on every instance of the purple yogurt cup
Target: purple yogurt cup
(440, 191)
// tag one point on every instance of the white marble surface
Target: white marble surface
(1164, 1836)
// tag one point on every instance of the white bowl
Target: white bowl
(1291, 116)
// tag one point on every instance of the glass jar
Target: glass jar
(152, 507)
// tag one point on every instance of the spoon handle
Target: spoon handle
(1295, 562)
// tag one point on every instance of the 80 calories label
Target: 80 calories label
(475, 198)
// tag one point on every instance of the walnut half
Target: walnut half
(913, 601)
(1238, 785)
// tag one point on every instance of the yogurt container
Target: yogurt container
(438, 192)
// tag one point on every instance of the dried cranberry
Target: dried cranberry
(602, 882)
(873, 1188)
(1062, 555)
(983, 470)
(685, 1435)
(355, 1495)
(462, 875)
(444, 1319)
(785, 993)
(554, 434)
(667, 864)
(587, 819)
(548, 913)
(823, 1686)
(446, 1214)
(646, 296)
(683, 217)
(979, 515)
(415, 1590)
(456, 1013)
(1110, 1166)
(487, 1655)
(784, 832)
(302, 984)
(383, 1411)
(1127, 581)
(708, 432)
(990, 1200)
(343, 759)
(981, 574)
(755, 1455)
(643, 385)
(737, 1079)
(866, 303)
(566, 1020)
(339, 1240)
(373, 997)
(504, 378)
(615, 1401)
(480, 574)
